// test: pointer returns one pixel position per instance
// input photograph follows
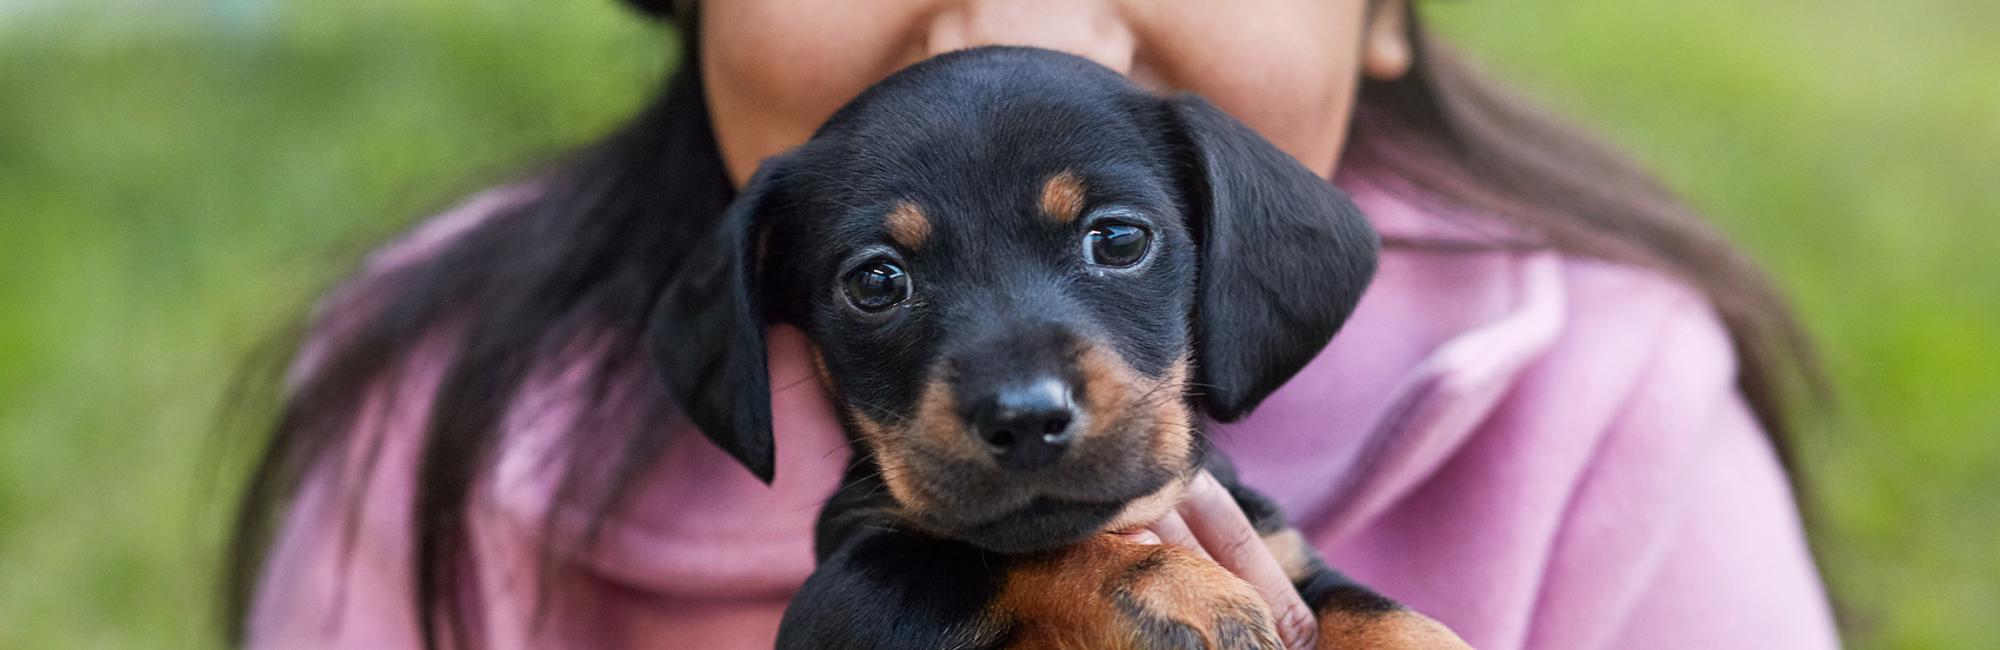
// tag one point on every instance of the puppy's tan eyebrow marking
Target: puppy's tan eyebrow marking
(908, 225)
(1062, 196)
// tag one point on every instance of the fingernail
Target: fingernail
(1142, 537)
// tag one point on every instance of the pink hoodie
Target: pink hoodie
(1538, 450)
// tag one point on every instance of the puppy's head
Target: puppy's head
(1022, 277)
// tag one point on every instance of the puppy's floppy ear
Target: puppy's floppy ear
(707, 331)
(1284, 257)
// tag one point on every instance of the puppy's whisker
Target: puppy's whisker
(1148, 396)
(898, 419)
(857, 481)
(863, 452)
(794, 384)
(1154, 399)
(851, 484)
(864, 457)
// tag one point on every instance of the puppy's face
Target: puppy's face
(1001, 257)
(1001, 314)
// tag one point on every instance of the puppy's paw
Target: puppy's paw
(1394, 629)
(1110, 593)
(1193, 603)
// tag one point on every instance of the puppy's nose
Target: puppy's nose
(1026, 425)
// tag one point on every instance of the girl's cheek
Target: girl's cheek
(1305, 116)
(1289, 69)
(775, 69)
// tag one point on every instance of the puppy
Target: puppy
(1024, 278)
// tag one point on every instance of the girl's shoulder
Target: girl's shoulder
(349, 303)
(1581, 420)
(1508, 368)
(432, 234)
(1475, 287)
(1460, 339)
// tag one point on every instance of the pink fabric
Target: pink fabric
(1539, 451)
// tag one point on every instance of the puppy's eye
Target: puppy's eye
(877, 285)
(1116, 244)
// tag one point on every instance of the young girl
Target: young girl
(1551, 423)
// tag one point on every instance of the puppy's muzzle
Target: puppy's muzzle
(1026, 425)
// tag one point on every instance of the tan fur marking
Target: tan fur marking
(1071, 598)
(1394, 630)
(1292, 551)
(1109, 388)
(890, 459)
(1173, 422)
(937, 418)
(1150, 508)
(819, 368)
(1062, 196)
(908, 225)
(1115, 393)
(935, 422)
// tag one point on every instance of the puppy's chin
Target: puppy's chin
(1042, 524)
(1025, 524)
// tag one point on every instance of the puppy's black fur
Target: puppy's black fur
(1022, 277)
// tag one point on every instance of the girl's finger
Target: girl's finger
(1223, 530)
(1173, 529)
(1139, 536)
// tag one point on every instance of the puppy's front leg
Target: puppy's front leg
(881, 584)
(892, 589)
(903, 590)
(1107, 592)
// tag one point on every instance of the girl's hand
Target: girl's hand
(1209, 522)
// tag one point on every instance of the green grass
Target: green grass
(174, 190)
(176, 183)
(1855, 147)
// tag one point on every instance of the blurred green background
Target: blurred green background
(179, 178)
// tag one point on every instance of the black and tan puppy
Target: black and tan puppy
(1024, 278)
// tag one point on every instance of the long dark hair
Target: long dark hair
(579, 264)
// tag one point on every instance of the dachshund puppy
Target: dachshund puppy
(1024, 278)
